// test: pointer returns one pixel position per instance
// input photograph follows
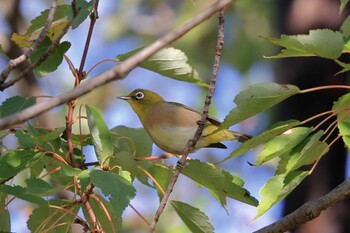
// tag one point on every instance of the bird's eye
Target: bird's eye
(139, 95)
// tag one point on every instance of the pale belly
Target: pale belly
(172, 140)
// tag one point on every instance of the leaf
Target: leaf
(134, 140)
(277, 188)
(345, 27)
(2, 51)
(275, 130)
(100, 134)
(16, 161)
(342, 110)
(38, 187)
(5, 223)
(169, 62)
(84, 179)
(219, 182)
(118, 189)
(163, 176)
(47, 218)
(255, 99)
(21, 193)
(52, 62)
(343, 3)
(282, 144)
(102, 208)
(320, 42)
(84, 8)
(15, 104)
(193, 218)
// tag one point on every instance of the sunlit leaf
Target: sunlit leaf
(169, 62)
(193, 218)
(320, 42)
(282, 143)
(345, 27)
(257, 98)
(100, 134)
(275, 130)
(343, 4)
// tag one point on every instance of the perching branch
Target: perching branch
(116, 73)
(192, 142)
(309, 210)
(15, 62)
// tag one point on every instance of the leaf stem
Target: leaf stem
(323, 88)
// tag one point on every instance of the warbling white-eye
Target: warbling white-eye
(170, 125)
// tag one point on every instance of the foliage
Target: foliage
(95, 195)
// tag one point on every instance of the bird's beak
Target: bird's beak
(124, 97)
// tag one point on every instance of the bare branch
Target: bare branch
(116, 73)
(192, 142)
(309, 210)
(15, 62)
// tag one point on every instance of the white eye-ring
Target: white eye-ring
(139, 95)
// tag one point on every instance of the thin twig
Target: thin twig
(13, 63)
(116, 73)
(192, 142)
(309, 210)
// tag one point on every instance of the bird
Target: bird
(171, 125)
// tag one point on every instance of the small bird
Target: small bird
(170, 125)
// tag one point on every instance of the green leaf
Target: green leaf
(343, 3)
(345, 27)
(5, 223)
(15, 104)
(85, 9)
(342, 110)
(282, 144)
(84, 179)
(38, 187)
(22, 193)
(53, 61)
(134, 140)
(118, 189)
(2, 51)
(193, 218)
(100, 134)
(16, 161)
(169, 62)
(277, 188)
(219, 182)
(257, 98)
(275, 130)
(109, 223)
(320, 42)
(163, 177)
(47, 218)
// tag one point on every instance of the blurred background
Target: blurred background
(128, 24)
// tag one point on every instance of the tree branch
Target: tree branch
(309, 210)
(192, 142)
(116, 73)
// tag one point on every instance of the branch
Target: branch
(309, 210)
(116, 73)
(201, 124)
(15, 62)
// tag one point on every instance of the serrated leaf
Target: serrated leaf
(22, 193)
(277, 188)
(15, 104)
(163, 176)
(342, 110)
(282, 144)
(219, 182)
(118, 190)
(85, 9)
(255, 99)
(38, 186)
(52, 62)
(100, 134)
(193, 218)
(320, 42)
(345, 27)
(169, 62)
(46, 218)
(275, 130)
